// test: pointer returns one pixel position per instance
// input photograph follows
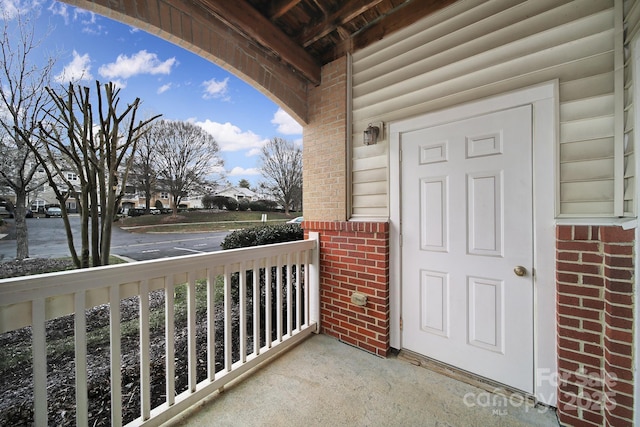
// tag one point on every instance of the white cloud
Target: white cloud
(78, 69)
(164, 88)
(286, 124)
(142, 62)
(239, 171)
(88, 19)
(120, 84)
(60, 9)
(10, 9)
(214, 89)
(232, 138)
(84, 16)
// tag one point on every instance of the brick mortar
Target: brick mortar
(592, 316)
(342, 245)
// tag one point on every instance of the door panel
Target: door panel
(466, 218)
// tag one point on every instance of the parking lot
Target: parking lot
(47, 239)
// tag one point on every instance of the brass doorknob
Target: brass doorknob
(520, 271)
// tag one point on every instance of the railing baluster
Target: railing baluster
(145, 358)
(298, 291)
(80, 326)
(306, 288)
(267, 297)
(191, 332)
(211, 325)
(289, 287)
(279, 299)
(169, 339)
(116, 374)
(39, 344)
(242, 308)
(227, 319)
(256, 308)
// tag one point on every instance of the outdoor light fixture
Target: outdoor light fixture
(371, 135)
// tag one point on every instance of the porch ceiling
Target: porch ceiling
(307, 34)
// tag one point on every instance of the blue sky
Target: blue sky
(167, 78)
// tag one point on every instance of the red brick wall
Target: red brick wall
(354, 257)
(595, 281)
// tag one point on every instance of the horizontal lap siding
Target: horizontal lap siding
(475, 49)
(632, 24)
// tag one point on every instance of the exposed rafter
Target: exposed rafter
(279, 8)
(244, 18)
(306, 34)
(346, 13)
(402, 16)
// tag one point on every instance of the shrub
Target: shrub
(262, 235)
(208, 201)
(231, 204)
(243, 205)
(263, 206)
(219, 201)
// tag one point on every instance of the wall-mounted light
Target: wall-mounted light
(371, 134)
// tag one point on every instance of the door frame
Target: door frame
(544, 100)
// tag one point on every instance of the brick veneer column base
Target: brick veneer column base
(354, 257)
(595, 284)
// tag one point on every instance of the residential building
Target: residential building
(238, 193)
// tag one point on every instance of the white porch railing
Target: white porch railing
(292, 267)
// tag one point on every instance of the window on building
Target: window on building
(164, 195)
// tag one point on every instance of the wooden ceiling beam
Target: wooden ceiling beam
(240, 15)
(346, 13)
(401, 17)
(279, 8)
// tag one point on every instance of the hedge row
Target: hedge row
(263, 235)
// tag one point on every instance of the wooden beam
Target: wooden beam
(401, 17)
(346, 13)
(241, 16)
(279, 8)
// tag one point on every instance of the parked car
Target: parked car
(53, 211)
(154, 211)
(4, 211)
(135, 211)
(296, 220)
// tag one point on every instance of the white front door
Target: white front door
(467, 245)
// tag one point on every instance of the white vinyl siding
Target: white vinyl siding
(476, 49)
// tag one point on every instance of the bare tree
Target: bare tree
(145, 166)
(95, 153)
(281, 166)
(24, 75)
(187, 156)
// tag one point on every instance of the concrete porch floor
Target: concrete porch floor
(323, 382)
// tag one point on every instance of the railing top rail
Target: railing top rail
(21, 289)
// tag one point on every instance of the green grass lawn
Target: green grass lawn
(203, 220)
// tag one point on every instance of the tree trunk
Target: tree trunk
(22, 235)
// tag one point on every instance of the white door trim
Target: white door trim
(544, 100)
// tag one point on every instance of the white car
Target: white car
(53, 211)
(296, 220)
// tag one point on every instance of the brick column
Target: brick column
(595, 281)
(354, 257)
